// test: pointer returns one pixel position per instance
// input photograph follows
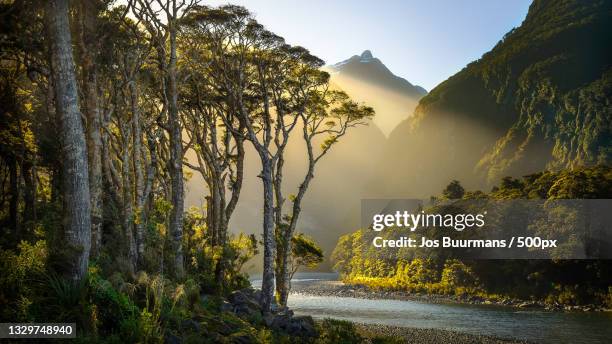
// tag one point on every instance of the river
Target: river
(498, 321)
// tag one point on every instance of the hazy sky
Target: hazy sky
(422, 41)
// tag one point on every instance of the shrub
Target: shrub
(338, 332)
(457, 276)
(18, 271)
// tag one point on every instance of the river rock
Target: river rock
(244, 303)
(306, 326)
(527, 304)
(226, 306)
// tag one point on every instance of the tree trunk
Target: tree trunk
(284, 280)
(139, 175)
(92, 112)
(14, 222)
(280, 229)
(127, 198)
(176, 159)
(222, 263)
(75, 172)
(28, 171)
(221, 236)
(267, 285)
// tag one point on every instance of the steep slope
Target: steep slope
(539, 99)
(366, 79)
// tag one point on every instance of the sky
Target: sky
(424, 42)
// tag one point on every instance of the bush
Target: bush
(458, 275)
(113, 312)
(19, 273)
(338, 332)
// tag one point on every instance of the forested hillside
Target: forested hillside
(555, 282)
(539, 99)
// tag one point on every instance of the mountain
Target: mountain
(540, 99)
(366, 79)
(367, 68)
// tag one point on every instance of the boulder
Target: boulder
(226, 306)
(306, 326)
(244, 303)
(281, 322)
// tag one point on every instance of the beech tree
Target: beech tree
(161, 18)
(215, 136)
(89, 47)
(170, 78)
(77, 218)
(262, 91)
(304, 253)
(327, 115)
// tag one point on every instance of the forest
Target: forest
(556, 282)
(101, 106)
(110, 110)
(538, 100)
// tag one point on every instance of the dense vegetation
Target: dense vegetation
(538, 100)
(444, 271)
(106, 111)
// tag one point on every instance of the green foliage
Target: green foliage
(338, 332)
(538, 100)
(454, 190)
(457, 275)
(204, 258)
(305, 252)
(571, 282)
(65, 298)
(113, 313)
(17, 272)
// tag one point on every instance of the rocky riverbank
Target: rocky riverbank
(245, 304)
(425, 335)
(338, 288)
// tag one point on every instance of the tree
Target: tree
(88, 40)
(162, 18)
(454, 190)
(77, 220)
(263, 91)
(24, 87)
(327, 115)
(245, 60)
(215, 136)
(304, 253)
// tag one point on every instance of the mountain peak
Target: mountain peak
(366, 54)
(370, 69)
(366, 79)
